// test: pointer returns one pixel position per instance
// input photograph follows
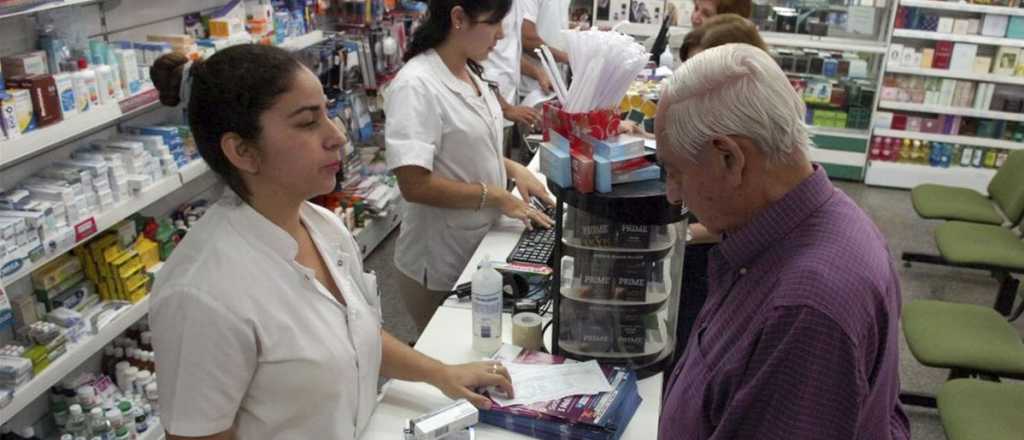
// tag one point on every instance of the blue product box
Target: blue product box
(556, 164)
(1015, 28)
(559, 141)
(651, 172)
(620, 147)
(603, 174)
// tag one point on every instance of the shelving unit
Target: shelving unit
(943, 73)
(299, 43)
(938, 36)
(962, 7)
(108, 218)
(952, 139)
(47, 7)
(907, 176)
(75, 356)
(944, 110)
(81, 125)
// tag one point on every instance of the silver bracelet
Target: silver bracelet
(483, 196)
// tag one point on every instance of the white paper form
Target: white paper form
(540, 383)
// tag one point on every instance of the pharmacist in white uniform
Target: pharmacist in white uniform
(444, 142)
(265, 325)
(543, 23)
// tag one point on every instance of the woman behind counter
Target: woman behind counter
(444, 143)
(265, 325)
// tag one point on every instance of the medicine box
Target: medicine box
(66, 94)
(46, 102)
(19, 109)
(556, 164)
(617, 148)
(1016, 27)
(32, 63)
(55, 272)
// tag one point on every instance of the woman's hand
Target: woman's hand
(527, 183)
(522, 115)
(630, 127)
(518, 209)
(462, 381)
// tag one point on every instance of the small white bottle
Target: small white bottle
(667, 59)
(486, 295)
(105, 82)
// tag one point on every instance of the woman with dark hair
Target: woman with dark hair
(444, 143)
(265, 325)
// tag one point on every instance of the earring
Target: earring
(457, 27)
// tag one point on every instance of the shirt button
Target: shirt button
(743, 271)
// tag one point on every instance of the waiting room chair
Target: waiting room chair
(967, 339)
(974, 410)
(1004, 204)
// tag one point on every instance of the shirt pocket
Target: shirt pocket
(371, 291)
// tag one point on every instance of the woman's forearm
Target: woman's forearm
(419, 185)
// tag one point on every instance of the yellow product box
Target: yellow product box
(138, 295)
(17, 108)
(130, 278)
(56, 272)
(148, 250)
(110, 256)
(99, 245)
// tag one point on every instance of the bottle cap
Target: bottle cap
(76, 410)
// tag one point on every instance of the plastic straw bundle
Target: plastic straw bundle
(604, 63)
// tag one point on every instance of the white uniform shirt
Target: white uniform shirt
(438, 122)
(502, 65)
(247, 337)
(550, 17)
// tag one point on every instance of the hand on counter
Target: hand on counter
(522, 115)
(461, 381)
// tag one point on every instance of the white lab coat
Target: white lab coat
(438, 122)
(502, 64)
(247, 337)
(551, 17)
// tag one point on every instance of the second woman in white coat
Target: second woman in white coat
(444, 143)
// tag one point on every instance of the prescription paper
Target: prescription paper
(540, 383)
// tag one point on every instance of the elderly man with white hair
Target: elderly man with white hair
(798, 338)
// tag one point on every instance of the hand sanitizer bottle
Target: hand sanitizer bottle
(486, 294)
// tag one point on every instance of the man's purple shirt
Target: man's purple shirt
(798, 338)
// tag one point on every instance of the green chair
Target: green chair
(969, 340)
(1003, 206)
(973, 409)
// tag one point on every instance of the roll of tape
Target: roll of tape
(526, 330)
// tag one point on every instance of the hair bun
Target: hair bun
(166, 73)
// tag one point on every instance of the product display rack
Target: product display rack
(75, 356)
(909, 175)
(628, 315)
(24, 151)
(842, 151)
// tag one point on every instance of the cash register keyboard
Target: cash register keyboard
(535, 246)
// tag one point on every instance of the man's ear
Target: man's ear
(240, 153)
(732, 159)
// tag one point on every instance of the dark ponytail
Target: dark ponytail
(229, 93)
(438, 24)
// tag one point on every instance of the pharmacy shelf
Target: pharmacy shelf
(376, 229)
(907, 176)
(948, 110)
(971, 76)
(962, 7)
(952, 139)
(75, 356)
(940, 36)
(155, 432)
(774, 39)
(81, 125)
(107, 219)
(299, 43)
(836, 157)
(47, 7)
(193, 170)
(840, 132)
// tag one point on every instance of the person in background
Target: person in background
(443, 141)
(799, 338)
(543, 23)
(505, 65)
(705, 9)
(265, 325)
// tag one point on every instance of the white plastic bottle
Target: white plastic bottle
(486, 294)
(77, 424)
(667, 59)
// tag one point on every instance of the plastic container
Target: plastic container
(487, 302)
(99, 426)
(619, 264)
